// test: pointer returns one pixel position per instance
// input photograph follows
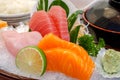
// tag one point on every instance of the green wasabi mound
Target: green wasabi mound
(111, 61)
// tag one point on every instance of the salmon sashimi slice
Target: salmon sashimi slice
(3, 24)
(59, 17)
(50, 41)
(65, 61)
(67, 57)
(42, 23)
(15, 41)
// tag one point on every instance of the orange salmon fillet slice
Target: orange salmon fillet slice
(67, 57)
(3, 24)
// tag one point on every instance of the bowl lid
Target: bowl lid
(105, 14)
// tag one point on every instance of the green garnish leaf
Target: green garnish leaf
(40, 5)
(62, 4)
(101, 43)
(46, 5)
(72, 18)
(74, 34)
(88, 43)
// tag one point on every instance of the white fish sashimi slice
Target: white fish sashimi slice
(34, 35)
(8, 37)
(15, 41)
(4, 57)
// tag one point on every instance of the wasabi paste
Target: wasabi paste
(111, 61)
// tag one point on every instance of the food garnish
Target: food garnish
(88, 42)
(111, 61)
(31, 60)
(42, 5)
(108, 63)
(72, 18)
(74, 34)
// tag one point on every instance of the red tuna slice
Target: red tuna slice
(59, 17)
(15, 41)
(42, 23)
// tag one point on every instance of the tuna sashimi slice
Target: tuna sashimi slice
(15, 41)
(58, 14)
(42, 23)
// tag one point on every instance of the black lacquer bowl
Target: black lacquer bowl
(104, 19)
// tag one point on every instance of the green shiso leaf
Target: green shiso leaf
(72, 18)
(40, 5)
(46, 5)
(74, 34)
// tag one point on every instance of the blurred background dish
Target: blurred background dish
(16, 19)
(18, 11)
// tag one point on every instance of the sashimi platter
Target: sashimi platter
(47, 40)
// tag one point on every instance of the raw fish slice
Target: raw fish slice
(28, 35)
(55, 42)
(9, 38)
(3, 24)
(42, 22)
(65, 61)
(67, 57)
(15, 41)
(59, 17)
(50, 41)
(36, 17)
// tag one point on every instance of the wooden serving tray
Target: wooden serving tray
(4, 75)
